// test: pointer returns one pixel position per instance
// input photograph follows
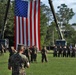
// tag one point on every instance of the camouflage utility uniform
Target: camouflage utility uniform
(34, 54)
(44, 52)
(27, 53)
(18, 62)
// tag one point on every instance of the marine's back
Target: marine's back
(18, 62)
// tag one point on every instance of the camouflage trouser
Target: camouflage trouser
(18, 73)
(44, 58)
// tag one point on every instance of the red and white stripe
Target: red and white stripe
(27, 30)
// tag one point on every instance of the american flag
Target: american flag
(27, 23)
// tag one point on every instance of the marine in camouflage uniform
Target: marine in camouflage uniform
(34, 54)
(18, 62)
(12, 51)
(55, 51)
(44, 54)
(64, 51)
(27, 53)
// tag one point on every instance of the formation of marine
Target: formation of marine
(64, 51)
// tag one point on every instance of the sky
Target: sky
(69, 3)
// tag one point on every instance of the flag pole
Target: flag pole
(5, 19)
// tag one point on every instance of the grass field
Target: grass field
(54, 66)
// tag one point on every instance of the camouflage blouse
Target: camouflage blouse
(18, 62)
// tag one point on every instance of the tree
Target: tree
(9, 27)
(52, 34)
(64, 14)
(9, 31)
(3, 4)
(45, 17)
(69, 34)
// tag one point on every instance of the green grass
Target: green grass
(54, 66)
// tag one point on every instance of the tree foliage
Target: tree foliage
(2, 13)
(69, 34)
(52, 34)
(64, 14)
(9, 26)
(45, 16)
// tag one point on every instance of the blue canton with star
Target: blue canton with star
(21, 8)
